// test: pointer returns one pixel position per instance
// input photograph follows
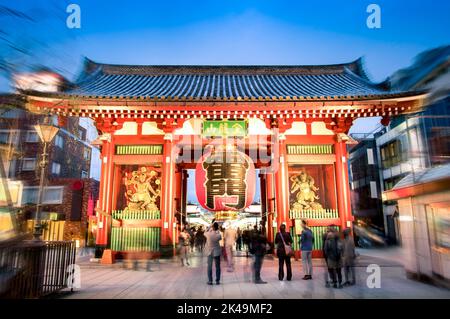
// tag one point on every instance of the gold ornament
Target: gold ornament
(142, 196)
(306, 196)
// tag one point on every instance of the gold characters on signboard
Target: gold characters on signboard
(143, 189)
(224, 128)
(306, 198)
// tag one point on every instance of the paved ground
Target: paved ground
(167, 279)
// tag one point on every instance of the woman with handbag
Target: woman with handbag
(283, 241)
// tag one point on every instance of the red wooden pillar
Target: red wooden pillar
(167, 191)
(282, 184)
(270, 205)
(105, 192)
(177, 204)
(183, 192)
(117, 181)
(342, 183)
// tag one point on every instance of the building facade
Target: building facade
(68, 186)
(414, 142)
(364, 181)
(424, 214)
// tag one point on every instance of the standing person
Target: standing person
(330, 229)
(212, 251)
(253, 234)
(192, 238)
(255, 231)
(333, 250)
(246, 240)
(283, 238)
(184, 242)
(199, 239)
(222, 243)
(230, 235)
(306, 246)
(258, 249)
(239, 239)
(348, 258)
(203, 240)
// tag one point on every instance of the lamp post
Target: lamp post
(46, 132)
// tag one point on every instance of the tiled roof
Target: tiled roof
(424, 176)
(184, 82)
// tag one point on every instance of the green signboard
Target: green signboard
(225, 128)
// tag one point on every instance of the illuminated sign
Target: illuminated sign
(232, 128)
(225, 180)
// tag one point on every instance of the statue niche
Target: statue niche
(143, 187)
(306, 198)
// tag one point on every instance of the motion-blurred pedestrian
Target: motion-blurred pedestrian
(327, 278)
(230, 235)
(258, 249)
(333, 251)
(183, 248)
(239, 239)
(348, 258)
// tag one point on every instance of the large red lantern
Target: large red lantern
(225, 180)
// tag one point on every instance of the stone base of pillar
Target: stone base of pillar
(108, 257)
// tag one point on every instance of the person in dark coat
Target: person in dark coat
(258, 249)
(330, 229)
(333, 252)
(348, 258)
(199, 239)
(281, 253)
(191, 232)
(239, 239)
(246, 237)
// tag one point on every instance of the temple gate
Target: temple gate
(155, 122)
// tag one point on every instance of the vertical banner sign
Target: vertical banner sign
(225, 180)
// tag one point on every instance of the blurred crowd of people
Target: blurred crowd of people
(339, 252)
(217, 242)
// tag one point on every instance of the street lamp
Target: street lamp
(46, 132)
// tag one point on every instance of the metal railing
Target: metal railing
(31, 269)
(135, 239)
(314, 214)
(317, 231)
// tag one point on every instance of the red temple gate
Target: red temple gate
(152, 121)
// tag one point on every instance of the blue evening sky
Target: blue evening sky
(235, 32)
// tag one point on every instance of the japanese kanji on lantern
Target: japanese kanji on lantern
(225, 179)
